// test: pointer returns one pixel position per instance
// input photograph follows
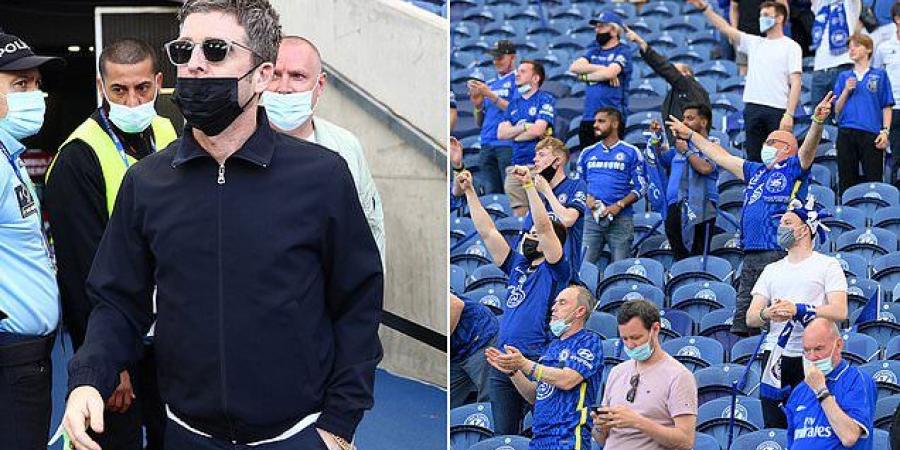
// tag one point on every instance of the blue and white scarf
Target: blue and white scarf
(834, 17)
(695, 206)
(771, 387)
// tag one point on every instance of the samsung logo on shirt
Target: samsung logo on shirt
(614, 165)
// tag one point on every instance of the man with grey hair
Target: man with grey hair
(268, 283)
(835, 404)
(291, 101)
(563, 383)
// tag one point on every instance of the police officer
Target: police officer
(771, 185)
(613, 171)
(29, 303)
(82, 185)
(268, 282)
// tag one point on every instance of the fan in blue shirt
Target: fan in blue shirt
(612, 172)
(563, 383)
(473, 327)
(530, 116)
(564, 198)
(864, 104)
(499, 92)
(537, 272)
(834, 408)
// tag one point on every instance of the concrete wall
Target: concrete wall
(397, 55)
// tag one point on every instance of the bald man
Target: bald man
(771, 185)
(685, 89)
(834, 407)
(290, 103)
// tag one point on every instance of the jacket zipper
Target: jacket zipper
(220, 181)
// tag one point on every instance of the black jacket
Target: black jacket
(684, 90)
(269, 287)
(75, 200)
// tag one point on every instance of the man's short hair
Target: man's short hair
(613, 112)
(584, 298)
(538, 69)
(127, 51)
(780, 9)
(865, 41)
(643, 309)
(258, 18)
(703, 111)
(555, 145)
(895, 10)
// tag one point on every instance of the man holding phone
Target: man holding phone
(564, 380)
(650, 401)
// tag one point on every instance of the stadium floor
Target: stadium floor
(407, 413)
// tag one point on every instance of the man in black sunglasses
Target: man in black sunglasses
(268, 281)
(650, 400)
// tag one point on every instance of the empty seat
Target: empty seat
(887, 218)
(502, 443)
(884, 411)
(611, 298)
(868, 242)
(886, 270)
(871, 196)
(700, 298)
(717, 325)
(859, 348)
(698, 268)
(674, 324)
(885, 374)
(715, 417)
(695, 352)
(744, 349)
(854, 265)
(768, 439)
(487, 276)
(717, 381)
(490, 297)
(859, 291)
(633, 269)
(603, 323)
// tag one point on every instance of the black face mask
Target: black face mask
(603, 38)
(209, 104)
(549, 172)
(529, 249)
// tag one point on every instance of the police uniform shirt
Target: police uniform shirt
(767, 194)
(602, 94)
(612, 173)
(572, 194)
(862, 111)
(477, 326)
(526, 313)
(29, 298)
(561, 418)
(505, 87)
(540, 106)
(808, 427)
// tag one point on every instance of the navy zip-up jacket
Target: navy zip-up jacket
(269, 287)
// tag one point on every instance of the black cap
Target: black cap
(15, 54)
(503, 47)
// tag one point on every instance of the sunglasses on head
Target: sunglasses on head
(635, 380)
(215, 50)
(778, 141)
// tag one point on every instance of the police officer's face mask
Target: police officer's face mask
(25, 113)
(210, 104)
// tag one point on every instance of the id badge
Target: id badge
(26, 201)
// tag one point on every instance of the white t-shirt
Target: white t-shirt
(887, 57)
(823, 58)
(770, 63)
(806, 282)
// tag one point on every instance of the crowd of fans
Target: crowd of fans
(818, 83)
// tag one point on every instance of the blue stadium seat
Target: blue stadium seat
(711, 84)
(641, 121)
(715, 382)
(714, 417)
(569, 43)
(887, 218)
(727, 246)
(570, 107)
(702, 297)
(613, 353)
(497, 205)
(656, 247)
(589, 275)
(493, 298)
(892, 349)
(698, 268)
(895, 295)
(727, 102)
(646, 222)
(884, 411)
(471, 256)
(717, 325)
(688, 24)
(465, 437)
(623, 9)
(859, 348)
(487, 276)
(613, 297)
(652, 87)
(461, 227)
(470, 424)
(644, 104)
(703, 441)
(733, 85)
(886, 270)
(870, 196)
(868, 242)
(674, 324)
(572, 12)
(645, 25)
(885, 374)
(742, 351)
(695, 352)
(457, 279)
(510, 227)
(502, 443)
(731, 202)
(603, 323)
(885, 327)
(720, 68)
(765, 439)
(844, 217)
(820, 174)
(824, 196)
(500, 30)
(853, 264)
(629, 270)
(662, 9)
(859, 291)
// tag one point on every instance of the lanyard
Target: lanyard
(119, 147)
(12, 162)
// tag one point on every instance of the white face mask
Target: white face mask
(131, 120)
(288, 111)
(768, 154)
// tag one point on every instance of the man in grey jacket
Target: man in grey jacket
(290, 103)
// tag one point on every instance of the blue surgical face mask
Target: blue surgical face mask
(25, 114)
(131, 120)
(767, 154)
(825, 364)
(288, 111)
(559, 326)
(641, 352)
(766, 23)
(523, 89)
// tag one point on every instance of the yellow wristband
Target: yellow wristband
(816, 120)
(527, 185)
(540, 373)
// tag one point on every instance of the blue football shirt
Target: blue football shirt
(572, 194)
(505, 87)
(477, 326)
(602, 94)
(540, 106)
(768, 193)
(612, 173)
(862, 111)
